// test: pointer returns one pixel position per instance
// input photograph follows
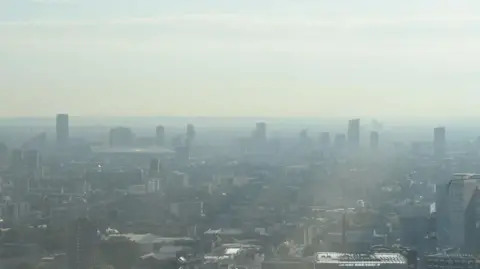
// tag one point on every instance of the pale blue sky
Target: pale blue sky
(240, 58)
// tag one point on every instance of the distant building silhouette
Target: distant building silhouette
(325, 141)
(81, 244)
(353, 133)
(439, 142)
(3, 156)
(160, 135)
(155, 167)
(374, 140)
(260, 133)
(25, 166)
(38, 142)
(33, 163)
(340, 141)
(472, 224)
(190, 135)
(63, 129)
(16, 161)
(121, 137)
(455, 215)
(182, 154)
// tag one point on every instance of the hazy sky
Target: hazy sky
(240, 57)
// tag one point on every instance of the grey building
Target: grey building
(121, 137)
(374, 140)
(353, 133)
(160, 135)
(439, 142)
(81, 244)
(63, 129)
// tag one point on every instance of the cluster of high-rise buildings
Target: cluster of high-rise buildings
(341, 141)
(122, 136)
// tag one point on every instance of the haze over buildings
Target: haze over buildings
(239, 134)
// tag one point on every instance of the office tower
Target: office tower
(303, 136)
(182, 154)
(62, 129)
(374, 140)
(472, 220)
(353, 133)
(340, 141)
(3, 156)
(155, 167)
(441, 214)
(16, 161)
(38, 142)
(439, 142)
(121, 137)
(81, 244)
(21, 186)
(160, 135)
(260, 133)
(453, 199)
(32, 161)
(177, 141)
(305, 143)
(190, 136)
(325, 140)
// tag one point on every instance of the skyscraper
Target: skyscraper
(260, 133)
(155, 167)
(439, 142)
(160, 135)
(190, 133)
(3, 155)
(81, 244)
(353, 133)
(374, 140)
(32, 160)
(325, 140)
(16, 161)
(62, 129)
(458, 194)
(340, 141)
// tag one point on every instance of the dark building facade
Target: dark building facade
(190, 135)
(3, 156)
(325, 141)
(81, 244)
(353, 133)
(374, 140)
(16, 161)
(160, 136)
(439, 142)
(32, 160)
(340, 141)
(449, 261)
(121, 137)
(260, 133)
(63, 129)
(472, 224)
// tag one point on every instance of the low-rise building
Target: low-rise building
(449, 261)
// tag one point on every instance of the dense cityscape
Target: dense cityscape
(107, 197)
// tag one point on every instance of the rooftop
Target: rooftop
(372, 259)
(116, 150)
(151, 238)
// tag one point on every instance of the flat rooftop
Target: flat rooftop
(132, 150)
(363, 259)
